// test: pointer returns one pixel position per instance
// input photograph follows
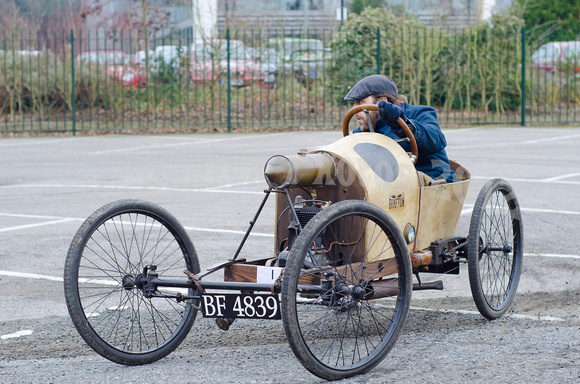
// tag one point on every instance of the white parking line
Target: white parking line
(467, 312)
(26, 226)
(35, 276)
(236, 184)
(560, 212)
(557, 178)
(27, 142)
(59, 220)
(26, 332)
(132, 188)
(468, 208)
(189, 142)
(35, 216)
(550, 139)
(552, 255)
(510, 143)
(129, 149)
(540, 181)
(462, 130)
(230, 231)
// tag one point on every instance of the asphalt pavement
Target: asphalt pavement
(213, 184)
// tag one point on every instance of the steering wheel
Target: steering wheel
(373, 107)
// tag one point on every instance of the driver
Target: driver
(432, 162)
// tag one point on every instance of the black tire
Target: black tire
(110, 250)
(340, 331)
(495, 248)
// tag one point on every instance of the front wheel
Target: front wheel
(346, 290)
(103, 271)
(495, 248)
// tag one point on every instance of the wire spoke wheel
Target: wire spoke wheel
(346, 290)
(104, 278)
(495, 248)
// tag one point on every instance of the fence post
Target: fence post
(229, 82)
(524, 76)
(378, 50)
(72, 63)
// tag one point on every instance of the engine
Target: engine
(305, 211)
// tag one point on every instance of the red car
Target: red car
(558, 56)
(209, 62)
(115, 64)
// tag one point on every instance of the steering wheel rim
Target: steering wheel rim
(373, 107)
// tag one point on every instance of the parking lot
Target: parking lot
(213, 183)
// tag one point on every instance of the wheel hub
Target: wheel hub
(128, 282)
(341, 290)
(345, 297)
(358, 292)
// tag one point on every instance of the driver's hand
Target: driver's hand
(390, 113)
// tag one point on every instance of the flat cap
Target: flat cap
(372, 85)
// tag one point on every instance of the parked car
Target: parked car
(304, 58)
(558, 56)
(140, 58)
(140, 65)
(115, 64)
(173, 55)
(209, 62)
(311, 64)
(289, 47)
(270, 62)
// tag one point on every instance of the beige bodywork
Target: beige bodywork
(374, 168)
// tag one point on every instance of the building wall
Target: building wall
(453, 13)
(276, 6)
(291, 17)
(300, 16)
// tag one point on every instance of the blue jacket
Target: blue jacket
(431, 142)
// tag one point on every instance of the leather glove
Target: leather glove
(390, 113)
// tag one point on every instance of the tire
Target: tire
(108, 252)
(340, 331)
(495, 248)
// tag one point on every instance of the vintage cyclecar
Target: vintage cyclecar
(354, 223)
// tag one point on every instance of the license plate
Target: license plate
(245, 306)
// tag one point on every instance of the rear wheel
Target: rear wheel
(495, 248)
(103, 268)
(346, 290)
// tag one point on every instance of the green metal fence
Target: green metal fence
(117, 81)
